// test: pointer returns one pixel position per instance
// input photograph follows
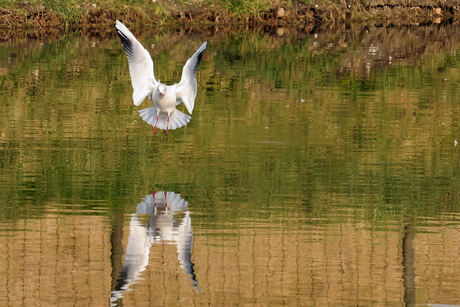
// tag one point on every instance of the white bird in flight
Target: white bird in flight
(165, 98)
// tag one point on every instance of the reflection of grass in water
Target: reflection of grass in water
(379, 147)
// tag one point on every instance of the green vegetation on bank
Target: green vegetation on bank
(101, 13)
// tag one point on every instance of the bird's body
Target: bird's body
(167, 102)
(164, 101)
(165, 98)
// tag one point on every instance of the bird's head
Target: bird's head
(161, 89)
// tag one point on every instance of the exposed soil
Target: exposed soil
(39, 21)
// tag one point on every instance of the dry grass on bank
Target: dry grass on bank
(99, 14)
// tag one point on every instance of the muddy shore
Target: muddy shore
(95, 19)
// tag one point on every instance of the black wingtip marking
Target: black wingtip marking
(127, 44)
(199, 56)
(123, 279)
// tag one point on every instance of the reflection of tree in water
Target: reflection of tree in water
(363, 49)
(380, 47)
(408, 261)
(161, 226)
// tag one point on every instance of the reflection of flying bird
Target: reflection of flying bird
(163, 114)
(166, 228)
(161, 226)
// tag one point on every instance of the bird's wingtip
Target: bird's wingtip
(119, 24)
(202, 47)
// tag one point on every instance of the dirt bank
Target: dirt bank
(95, 18)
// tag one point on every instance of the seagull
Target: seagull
(165, 98)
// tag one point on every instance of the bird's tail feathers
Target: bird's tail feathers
(176, 120)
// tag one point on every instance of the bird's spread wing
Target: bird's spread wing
(186, 89)
(140, 64)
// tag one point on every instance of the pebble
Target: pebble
(281, 12)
